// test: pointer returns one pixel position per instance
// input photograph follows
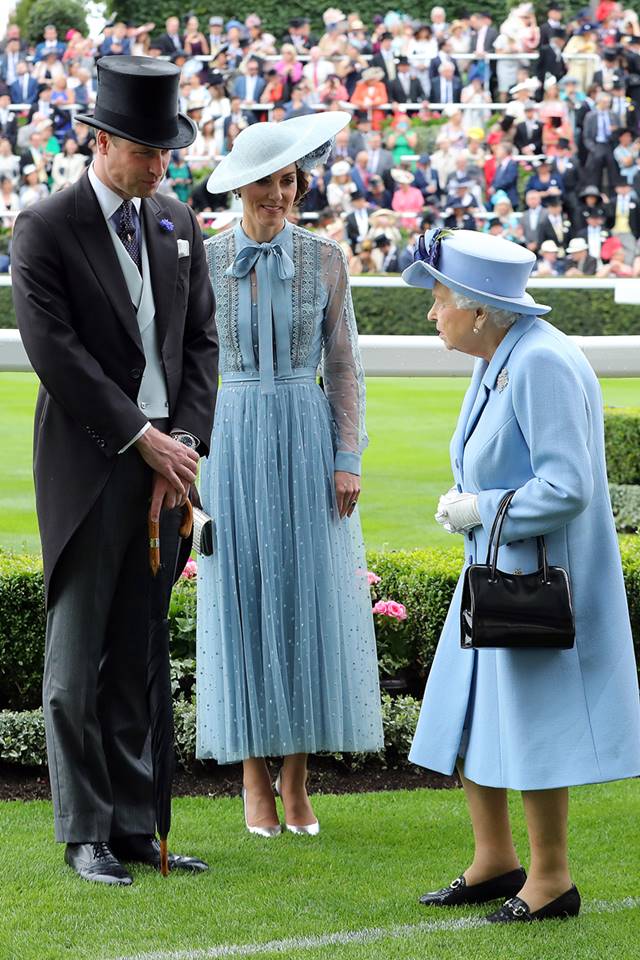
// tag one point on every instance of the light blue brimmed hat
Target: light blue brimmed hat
(488, 269)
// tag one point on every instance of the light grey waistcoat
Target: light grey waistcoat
(153, 396)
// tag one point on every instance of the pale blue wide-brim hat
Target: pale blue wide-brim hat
(263, 148)
(488, 269)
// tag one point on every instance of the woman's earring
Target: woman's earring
(476, 330)
(236, 194)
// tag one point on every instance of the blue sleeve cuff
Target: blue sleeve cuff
(348, 462)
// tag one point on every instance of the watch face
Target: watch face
(187, 439)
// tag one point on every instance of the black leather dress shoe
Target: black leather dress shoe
(516, 910)
(145, 849)
(458, 894)
(96, 862)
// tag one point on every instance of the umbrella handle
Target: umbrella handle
(187, 520)
(164, 857)
(154, 535)
(154, 545)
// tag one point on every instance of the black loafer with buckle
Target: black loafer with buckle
(458, 894)
(516, 910)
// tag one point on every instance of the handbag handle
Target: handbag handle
(494, 540)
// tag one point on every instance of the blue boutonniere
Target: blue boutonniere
(428, 249)
(167, 226)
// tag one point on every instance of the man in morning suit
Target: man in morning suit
(599, 126)
(115, 309)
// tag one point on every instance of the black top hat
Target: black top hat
(595, 212)
(137, 99)
(402, 59)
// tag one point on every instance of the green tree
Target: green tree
(33, 16)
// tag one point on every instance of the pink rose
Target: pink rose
(372, 578)
(380, 607)
(397, 610)
(191, 569)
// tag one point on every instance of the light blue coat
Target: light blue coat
(532, 421)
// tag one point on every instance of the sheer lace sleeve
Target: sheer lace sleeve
(342, 368)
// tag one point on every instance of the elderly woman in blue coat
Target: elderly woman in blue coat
(532, 720)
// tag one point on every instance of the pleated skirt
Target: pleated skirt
(286, 654)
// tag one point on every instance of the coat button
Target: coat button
(135, 374)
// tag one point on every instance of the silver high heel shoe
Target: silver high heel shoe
(259, 831)
(309, 829)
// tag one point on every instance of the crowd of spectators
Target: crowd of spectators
(520, 129)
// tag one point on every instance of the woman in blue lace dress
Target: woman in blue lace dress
(286, 648)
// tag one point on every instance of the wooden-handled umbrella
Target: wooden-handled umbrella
(159, 697)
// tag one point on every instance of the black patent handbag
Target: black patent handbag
(517, 610)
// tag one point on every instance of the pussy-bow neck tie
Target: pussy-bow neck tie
(273, 265)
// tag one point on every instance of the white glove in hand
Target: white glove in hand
(458, 512)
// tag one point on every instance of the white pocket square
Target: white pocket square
(183, 248)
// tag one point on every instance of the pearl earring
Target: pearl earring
(476, 330)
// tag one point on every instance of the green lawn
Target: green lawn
(406, 467)
(376, 854)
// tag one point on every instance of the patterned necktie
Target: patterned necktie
(128, 234)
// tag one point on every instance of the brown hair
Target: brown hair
(302, 185)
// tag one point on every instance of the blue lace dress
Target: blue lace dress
(286, 647)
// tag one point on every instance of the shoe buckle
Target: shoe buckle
(456, 883)
(517, 909)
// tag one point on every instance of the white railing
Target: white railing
(625, 291)
(413, 356)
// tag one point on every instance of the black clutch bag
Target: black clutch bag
(515, 609)
(202, 532)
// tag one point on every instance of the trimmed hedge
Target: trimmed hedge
(622, 436)
(403, 311)
(423, 580)
(22, 735)
(625, 501)
(22, 629)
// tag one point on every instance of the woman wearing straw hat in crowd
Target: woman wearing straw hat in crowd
(384, 221)
(371, 92)
(340, 187)
(286, 649)
(533, 720)
(407, 200)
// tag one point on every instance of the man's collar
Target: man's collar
(109, 200)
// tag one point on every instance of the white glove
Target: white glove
(458, 512)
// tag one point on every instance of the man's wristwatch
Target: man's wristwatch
(187, 438)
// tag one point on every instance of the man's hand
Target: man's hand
(164, 496)
(171, 459)
(347, 492)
